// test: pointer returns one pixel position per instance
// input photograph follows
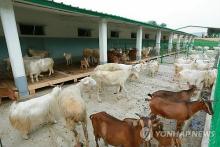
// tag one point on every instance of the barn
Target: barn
(177, 63)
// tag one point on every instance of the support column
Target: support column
(139, 43)
(170, 44)
(178, 43)
(103, 41)
(13, 45)
(193, 39)
(185, 42)
(158, 39)
(190, 43)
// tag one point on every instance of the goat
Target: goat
(114, 78)
(28, 115)
(179, 67)
(183, 95)
(132, 54)
(68, 58)
(145, 52)
(95, 56)
(116, 132)
(153, 67)
(84, 64)
(114, 57)
(193, 77)
(38, 53)
(6, 92)
(158, 134)
(73, 106)
(33, 68)
(180, 111)
(166, 140)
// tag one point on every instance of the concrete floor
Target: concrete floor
(58, 136)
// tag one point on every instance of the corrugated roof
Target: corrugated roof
(63, 7)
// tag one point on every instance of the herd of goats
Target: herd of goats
(197, 70)
(38, 61)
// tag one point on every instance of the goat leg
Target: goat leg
(32, 78)
(97, 141)
(25, 135)
(76, 136)
(106, 144)
(179, 126)
(84, 126)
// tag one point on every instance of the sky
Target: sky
(175, 13)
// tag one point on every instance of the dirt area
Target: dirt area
(58, 136)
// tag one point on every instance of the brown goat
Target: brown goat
(6, 92)
(114, 57)
(132, 54)
(180, 111)
(84, 64)
(166, 140)
(183, 95)
(116, 132)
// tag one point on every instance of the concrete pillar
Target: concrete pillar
(189, 42)
(178, 43)
(103, 41)
(170, 43)
(13, 45)
(193, 39)
(185, 42)
(139, 43)
(158, 39)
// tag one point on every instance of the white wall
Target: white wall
(60, 25)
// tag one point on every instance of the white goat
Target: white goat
(201, 65)
(38, 53)
(145, 51)
(193, 77)
(73, 105)
(114, 78)
(29, 115)
(212, 74)
(179, 67)
(153, 67)
(68, 57)
(33, 68)
(116, 66)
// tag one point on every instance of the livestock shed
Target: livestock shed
(58, 28)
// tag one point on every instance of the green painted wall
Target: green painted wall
(199, 42)
(57, 46)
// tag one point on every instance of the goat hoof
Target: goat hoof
(25, 136)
